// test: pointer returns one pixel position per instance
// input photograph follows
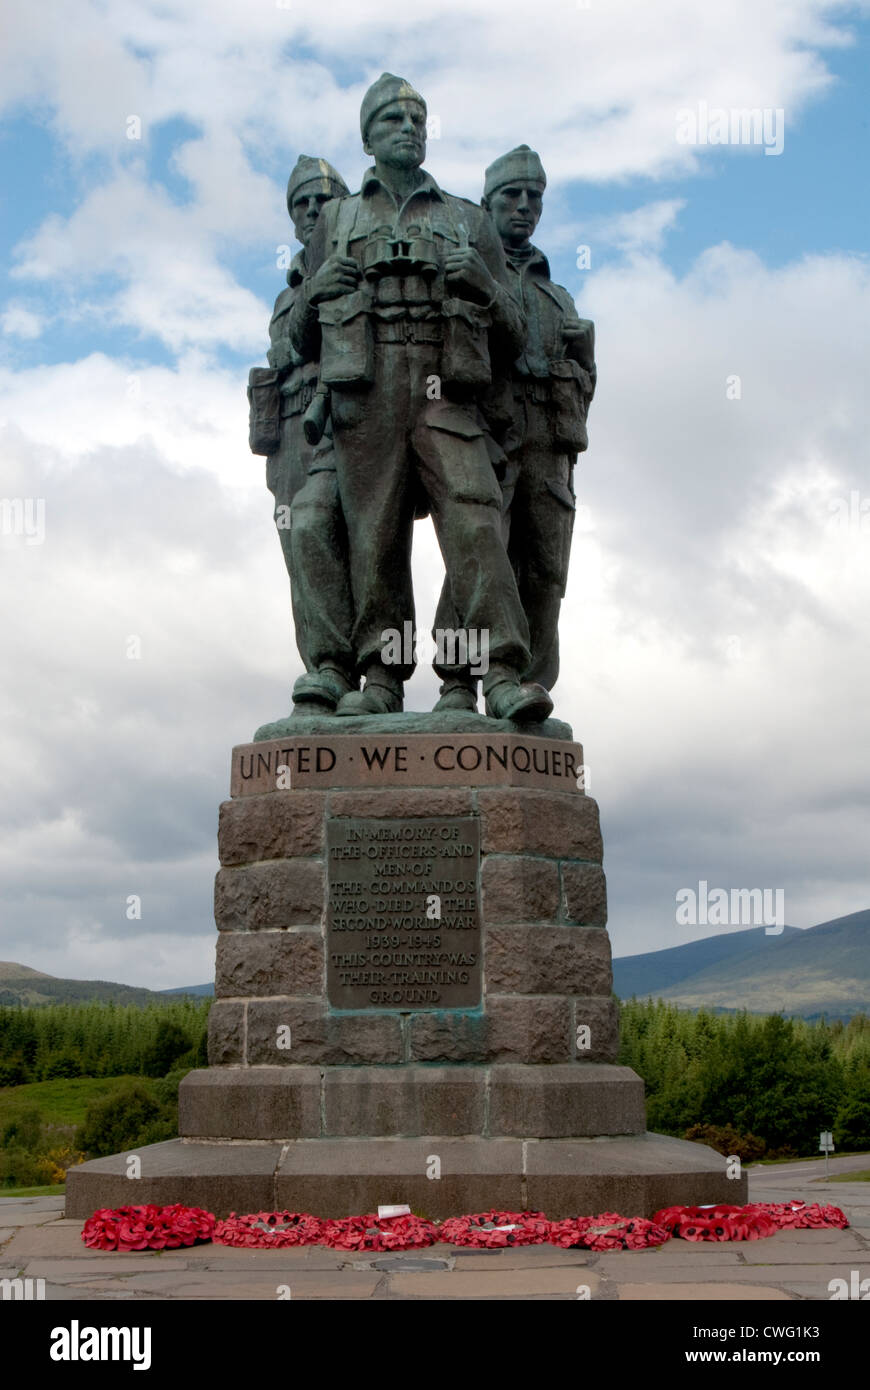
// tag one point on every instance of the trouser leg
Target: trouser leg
(466, 511)
(542, 521)
(319, 576)
(286, 472)
(375, 481)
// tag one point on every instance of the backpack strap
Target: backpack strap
(348, 210)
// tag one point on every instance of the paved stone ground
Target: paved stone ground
(36, 1242)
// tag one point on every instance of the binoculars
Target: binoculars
(413, 254)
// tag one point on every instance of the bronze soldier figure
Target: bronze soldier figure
(553, 381)
(406, 303)
(291, 457)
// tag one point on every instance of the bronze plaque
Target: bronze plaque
(403, 920)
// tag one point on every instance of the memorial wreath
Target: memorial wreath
(147, 1228)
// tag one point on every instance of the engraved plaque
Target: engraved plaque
(403, 920)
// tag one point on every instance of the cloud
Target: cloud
(259, 86)
(20, 322)
(642, 229)
(714, 633)
(714, 650)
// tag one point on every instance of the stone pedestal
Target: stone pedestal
(413, 992)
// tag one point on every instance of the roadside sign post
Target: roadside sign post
(826, 1146)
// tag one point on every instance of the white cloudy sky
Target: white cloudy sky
(715, 633)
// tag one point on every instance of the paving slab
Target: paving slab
(307, 1257)
(526, 1257)
(30, 1204)
(13, 1217)
(516, 1283)
(690, 1293)
(260, 1285)
(64, 1271)
(29, 1242)
(618, 1264)
(821, 1252)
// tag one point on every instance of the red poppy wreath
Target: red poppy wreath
(607, 1232)
(801, 1216)
(379, 1233)
(715, 1223)
(271, 1230)
(147, 1228)
(494, 1230)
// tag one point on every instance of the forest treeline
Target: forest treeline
(46, 1042)
(755, 1085)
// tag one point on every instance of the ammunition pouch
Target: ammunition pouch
(408, 331)
(570, 390)
(297, 400)
(264, 399)
(347, 340)
(465, 358)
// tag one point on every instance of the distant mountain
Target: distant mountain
(202, 991)
(822, 970)
(19, 984)
(10, 971)
(656, 971)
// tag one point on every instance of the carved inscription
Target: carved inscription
(418, 760)
(403, 921)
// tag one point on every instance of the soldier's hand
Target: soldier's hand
(338, 275)
(467, 272)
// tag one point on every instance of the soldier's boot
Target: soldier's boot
(319, 692)
(506, 697)
(458, 694)
(382, 693)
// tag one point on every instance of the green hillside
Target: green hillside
(823, 970)
(656, 971)
(21, 985)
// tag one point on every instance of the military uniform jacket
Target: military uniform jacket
(558, 356)
(348, 226)
(297, 376)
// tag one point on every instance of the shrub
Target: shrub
(725, 1140)
(170, 1043)
(118, 1121)
(24, 1129)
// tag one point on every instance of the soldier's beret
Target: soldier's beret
(307, 170)
(522, 165)
(388, 88)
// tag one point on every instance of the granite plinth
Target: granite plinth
(409, 722)
(507, 1100)
(413, 974)
(635, 1175)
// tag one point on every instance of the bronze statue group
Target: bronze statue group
(422, 362)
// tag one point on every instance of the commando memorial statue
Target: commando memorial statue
(414, 999)
(422, 362)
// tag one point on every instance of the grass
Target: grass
(862, 1176)
(62, 1101)
(57, 1190)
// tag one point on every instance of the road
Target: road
(781, 1174)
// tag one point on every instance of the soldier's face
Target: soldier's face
(305, 210)
(516, 211)
(396, 136)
